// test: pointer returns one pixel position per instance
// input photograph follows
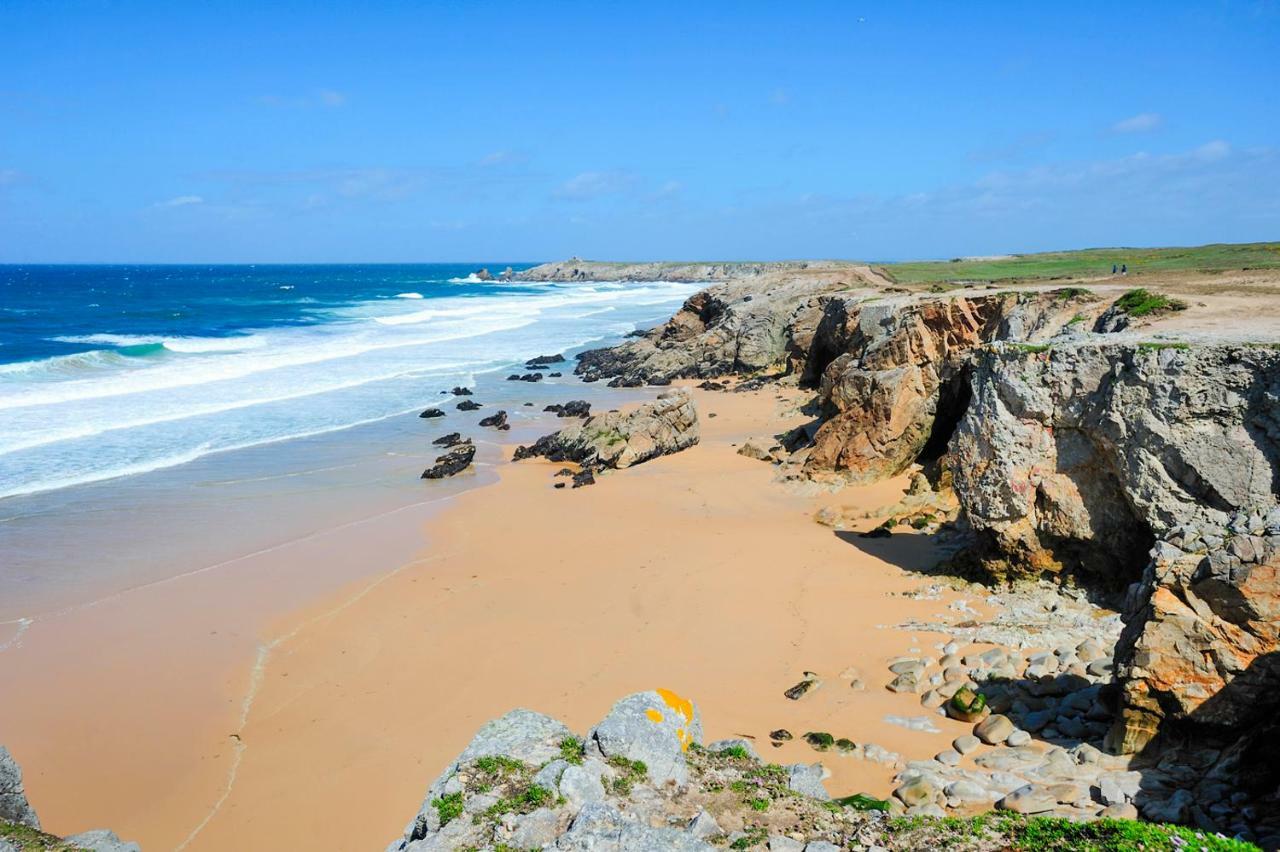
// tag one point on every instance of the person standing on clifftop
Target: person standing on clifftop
(1124, 269)
(1113, 269)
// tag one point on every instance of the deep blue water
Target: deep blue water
(117, 370)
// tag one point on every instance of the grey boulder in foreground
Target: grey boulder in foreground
(639, 780)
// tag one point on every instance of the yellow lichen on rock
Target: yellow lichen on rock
(655, 716)
(683, 706)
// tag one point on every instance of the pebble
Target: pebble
(993, 730)
(1018, 738)
(1028, 799)
(966, 743)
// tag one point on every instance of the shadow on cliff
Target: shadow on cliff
(1221, 765)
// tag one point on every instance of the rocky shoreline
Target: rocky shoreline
(1090, 458)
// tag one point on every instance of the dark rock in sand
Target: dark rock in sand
(565, 471)
(461, 391)
(453, 462)
(497, 421)
(544, 360)
(432, 412)
(781, 735)
(468, 405)
(558, 485)
(798, 691)
(572, 408)
(711, 386)
(626, 382)
(583, 477)
(451, 440)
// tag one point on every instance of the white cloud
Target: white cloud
(180, 201)
(1143, 122)
(1215, 150)
(587, 185)
(323, 98)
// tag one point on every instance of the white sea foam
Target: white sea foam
(408, 295)
(117, 411)
(173, 344)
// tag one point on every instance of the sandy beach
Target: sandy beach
(249, 708)
(693, 572)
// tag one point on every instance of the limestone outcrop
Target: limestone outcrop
(618, 440)
(640, 779)
(733, 327)
(890, 369)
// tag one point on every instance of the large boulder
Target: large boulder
(656, 728)
(522, 735)
(617, 440)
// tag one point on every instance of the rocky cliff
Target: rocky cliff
(577, 269)
(1136, 466)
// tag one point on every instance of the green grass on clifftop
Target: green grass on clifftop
(1054, 834)
(30, 840)
(1089, 263)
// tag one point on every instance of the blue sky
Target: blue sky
(425, 131)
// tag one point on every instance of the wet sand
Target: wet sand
(694, 572)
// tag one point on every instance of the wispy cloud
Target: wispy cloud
(1213, 191)
(1143, 122)
(377, 183)
(180, 201)
(1012, 150)
(322, 98)
(587, 185)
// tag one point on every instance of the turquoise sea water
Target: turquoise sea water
(112, 371)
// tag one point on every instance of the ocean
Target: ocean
(117, 371)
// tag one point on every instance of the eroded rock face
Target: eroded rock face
(894, 384)
(728, 328)
(616, 440)
(1083, 454)
(1200, 647)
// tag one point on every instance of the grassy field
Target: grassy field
(1088, 263)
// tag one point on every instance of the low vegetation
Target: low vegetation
(1052, 834)
(1141, 303)
(1087, 263)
